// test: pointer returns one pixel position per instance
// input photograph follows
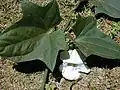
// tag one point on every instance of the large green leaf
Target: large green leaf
(91, 41)
(109, 7)
(37, 16)
(47, 48)
(33, 37)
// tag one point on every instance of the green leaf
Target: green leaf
(91, 41)
(47, 48)
(109, 7)
(34, 36)
(83, 23)
(33, 43)
(37, 16)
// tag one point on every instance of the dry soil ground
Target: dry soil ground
(104, 75)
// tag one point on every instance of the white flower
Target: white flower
(72, 67)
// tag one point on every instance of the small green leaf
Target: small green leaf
(91, 41)
(109, 7)
(34, 36)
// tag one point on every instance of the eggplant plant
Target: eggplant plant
(35, 36)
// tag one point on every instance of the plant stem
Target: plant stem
(67, 25)
(44, 79)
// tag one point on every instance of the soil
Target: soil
(104, 75)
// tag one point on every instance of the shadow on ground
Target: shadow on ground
(98, 16)
(37, 65)
(82, 4)
(96, 61)
(30, 66)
